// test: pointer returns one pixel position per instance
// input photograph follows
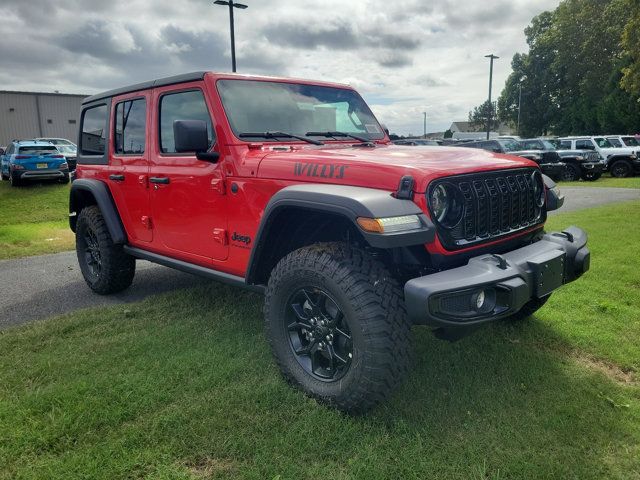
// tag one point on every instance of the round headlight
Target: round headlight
(438, 202)
(538, 189)
(446, 205)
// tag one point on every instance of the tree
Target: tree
(573, 74)
(448, 133)
(631, 47)
(479, 115)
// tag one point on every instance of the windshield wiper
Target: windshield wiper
(279, 135)
(338, 134)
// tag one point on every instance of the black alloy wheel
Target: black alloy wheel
(319, 335)
(620, 169)
(91, 253)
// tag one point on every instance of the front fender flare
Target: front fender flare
(350, 203)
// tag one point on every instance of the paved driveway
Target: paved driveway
(32, 288)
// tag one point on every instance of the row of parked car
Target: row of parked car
(38, 159)
(565, 158)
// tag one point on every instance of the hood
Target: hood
(381, 166)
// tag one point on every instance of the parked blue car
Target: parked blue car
(27, 160)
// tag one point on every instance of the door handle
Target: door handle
(164, 180)
(117, 178)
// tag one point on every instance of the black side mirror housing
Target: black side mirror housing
(191, 136)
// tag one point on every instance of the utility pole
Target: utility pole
(425, 124)
(492, 57)
(231, 4)
(519, 104)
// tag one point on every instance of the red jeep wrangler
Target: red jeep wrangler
(292, 188)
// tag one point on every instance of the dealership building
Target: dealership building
(25, 115)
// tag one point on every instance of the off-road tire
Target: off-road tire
(64, 180)
(116, 267)
(529, 308)
(572, 173)
(372, 304)
(590, 176)
(620, 169)
(3, 176)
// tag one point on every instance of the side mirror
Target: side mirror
(386, 129)
(1, 151)
(191, 136)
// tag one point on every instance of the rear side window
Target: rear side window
(37, 149)
(94, 121)
(584, 145)
(131, 122)
(182, 106)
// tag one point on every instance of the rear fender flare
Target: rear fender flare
(87, 192)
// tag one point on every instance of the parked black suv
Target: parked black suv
(583, 164)
(548, 159)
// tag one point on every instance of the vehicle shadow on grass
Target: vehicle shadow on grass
(185, 381)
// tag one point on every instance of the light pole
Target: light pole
(492, 57)
(519, 104)
(425, 124)
(231, 4)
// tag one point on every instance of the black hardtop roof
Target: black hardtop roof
(185, 77)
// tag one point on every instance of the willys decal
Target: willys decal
(322, 170)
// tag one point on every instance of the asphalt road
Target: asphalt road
(38, 287)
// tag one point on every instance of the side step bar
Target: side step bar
(192, 268)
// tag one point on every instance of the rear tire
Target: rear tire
(531, 307)
(14, 181)
(64, 180)
(105, 266)
(620, 169)
(329, 299)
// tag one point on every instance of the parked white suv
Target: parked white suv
(620, 162)
(622, 141)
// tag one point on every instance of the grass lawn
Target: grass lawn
(182, 386)
(606, 181)
(34, 219)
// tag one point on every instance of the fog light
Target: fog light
(480, 300)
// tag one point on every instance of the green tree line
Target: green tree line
(582, 72)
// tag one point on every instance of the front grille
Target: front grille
(495, 204)
(591, 156)
(550, 157)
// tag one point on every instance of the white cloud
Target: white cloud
(425, 57)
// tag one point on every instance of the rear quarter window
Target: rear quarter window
(94, 128)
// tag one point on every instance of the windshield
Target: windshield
(548, 145)
(511, 145)
(603, 143)
(256, 106)
(630, 141)
(37, 150)
(66, 149)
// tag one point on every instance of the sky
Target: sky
(423, 57)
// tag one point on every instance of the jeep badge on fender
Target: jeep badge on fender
(352, 240)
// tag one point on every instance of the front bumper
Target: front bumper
(592, 167)
(553, 170)
(507, 282)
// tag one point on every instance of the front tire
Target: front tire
(590, 176)
(336, 323)
(529, 308)
(572, 173)
(105, 266)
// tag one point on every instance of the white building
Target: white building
(25, 115)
